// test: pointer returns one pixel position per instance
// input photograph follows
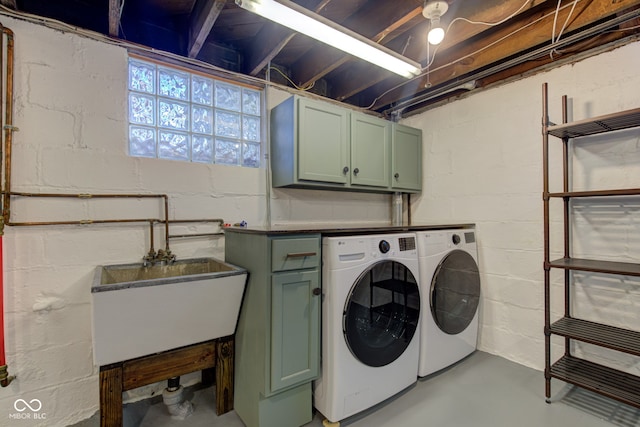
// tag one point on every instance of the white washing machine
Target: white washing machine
(450, 289)
(370, 322)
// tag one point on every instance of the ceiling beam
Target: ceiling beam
(498, 45)
(460, 32)
(204, 15)
(273, 38)
(315, 64)
(114, 17)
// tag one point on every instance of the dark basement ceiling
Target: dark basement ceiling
(220, 33)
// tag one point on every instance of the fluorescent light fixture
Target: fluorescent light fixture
(303, 21)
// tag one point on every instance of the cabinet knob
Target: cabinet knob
(356, 171)
(345, 170)
(316, 291)
(396, 175)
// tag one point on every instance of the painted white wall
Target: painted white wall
(483, 164)
(71, 109)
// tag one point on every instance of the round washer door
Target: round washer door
(381, 313)
(455, 292)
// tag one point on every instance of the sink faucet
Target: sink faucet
(164, 257)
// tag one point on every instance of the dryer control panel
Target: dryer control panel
(359, 249)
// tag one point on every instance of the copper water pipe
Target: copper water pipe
(179, 236)
(8, 194)
(5, 378)
(8, 126)
(83, 222)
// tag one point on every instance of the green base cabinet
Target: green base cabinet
(315, 144)
(278, 334)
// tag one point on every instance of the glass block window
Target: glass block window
(178, 115)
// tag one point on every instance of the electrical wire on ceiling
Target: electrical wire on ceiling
(120, 18)
(554, 39)
(590, 32)
(427, 69)
(271, 67)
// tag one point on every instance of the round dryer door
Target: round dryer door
(455, 292)
(381, 313)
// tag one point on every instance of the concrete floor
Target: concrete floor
(482, 390)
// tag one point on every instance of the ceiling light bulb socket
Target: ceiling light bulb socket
(434, 9)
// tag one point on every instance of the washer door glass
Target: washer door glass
(455, 292)
(381, 313)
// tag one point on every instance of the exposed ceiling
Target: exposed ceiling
(472, 55)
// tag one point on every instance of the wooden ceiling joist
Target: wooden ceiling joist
(460, 31)
(205, 14)
(320, 62)
(114, 17)
(274, 38)
(532, 31)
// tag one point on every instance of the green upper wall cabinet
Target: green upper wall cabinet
(406, 156)
(323, 142)
(320, 145)
(370, 142)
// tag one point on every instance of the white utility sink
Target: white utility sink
(140, 310)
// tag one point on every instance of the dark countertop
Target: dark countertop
(335, 230)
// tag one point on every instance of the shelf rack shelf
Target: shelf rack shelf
(607, 381)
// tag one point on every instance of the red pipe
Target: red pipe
(3, 360)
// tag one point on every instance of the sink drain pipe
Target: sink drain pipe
(173, 398)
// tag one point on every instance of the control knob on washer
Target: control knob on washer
(455, 239)
(384, 246)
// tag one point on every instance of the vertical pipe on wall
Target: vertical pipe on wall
(396, 209)
(8, 125)
(5, 379)
(3, 360)
(266, 131)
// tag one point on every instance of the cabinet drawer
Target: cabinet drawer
(294, 254)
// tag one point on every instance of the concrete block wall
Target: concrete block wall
(71, 109)
(483, 164)
(482, 159)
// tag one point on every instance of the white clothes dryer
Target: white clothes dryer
(450, 292)
(370, 322)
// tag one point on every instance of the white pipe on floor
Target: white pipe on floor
(178, 408)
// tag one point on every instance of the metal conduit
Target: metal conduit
(535, 54)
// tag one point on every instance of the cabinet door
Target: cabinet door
(295, 326)
(369, 150)
(323, 137)
(406, 153)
